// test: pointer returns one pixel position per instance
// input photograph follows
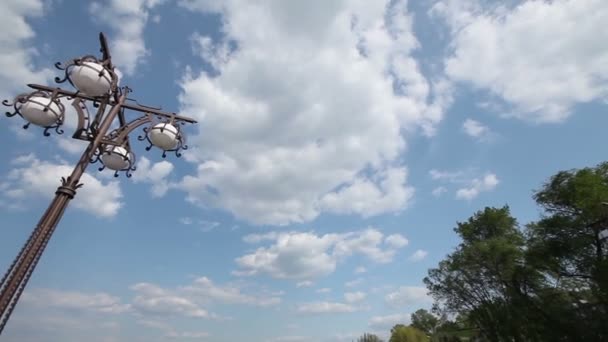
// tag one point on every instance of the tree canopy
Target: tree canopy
(546, 280)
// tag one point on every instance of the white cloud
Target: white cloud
(325, 307)
(292, 256)
(187, 334)
(154, 300)
(71, 146)
(257, 238)
(496, 47)
(389, 321)
(475, 129)
(206, 290)
(305, 283)
(32, 178)
(207, 226)
(306, 256)
(408, 296)
(323, 290)
(191, 300)
(388, 194)
(290, 338)
(186, 220)
(396, 241)
(447, 176)
(354, 297)
(171, 332)
(469, 182)
(128, 19)
(72, 300)
(154, 174)
(477, 186)
(360, 270)
(418, 255)
(302, 117)
(440, 190)
(353, 283)
(16, 65)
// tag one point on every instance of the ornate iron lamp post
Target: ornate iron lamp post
(96, 83)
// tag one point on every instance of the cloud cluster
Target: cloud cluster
(542, 70)
(326, 308)
(154, 174)
(308, 111)
(191, 300)
(418, 255)
(16, 64)
(388, 321)
(128, 20)
(78, 301)
(306, 255)
(476, 129)
(477, 186)
(409, 296)
(469, 186)
(32, 177)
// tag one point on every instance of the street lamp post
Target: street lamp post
(96, 83)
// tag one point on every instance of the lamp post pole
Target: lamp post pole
(96, 83)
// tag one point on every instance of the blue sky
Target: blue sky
(338, 144)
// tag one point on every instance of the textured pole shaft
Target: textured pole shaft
(16, 278)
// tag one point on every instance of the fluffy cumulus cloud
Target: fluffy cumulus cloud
(16, 51)
(206, 290)
(304, 256)
(325, 308)
(418, 255)
(154, 174)
(72, 300)
(191, 300)
(468, 182)
(354, 297)
(541, 57)
(408, 296)
(170, 332)
(475, 129)
(290, 338)
(32, 178)
(128, 20)
(154, 300)
(388, 321)
(307, 109)
(477, 186)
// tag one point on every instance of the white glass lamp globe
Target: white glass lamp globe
(164, 136)
(86, 78)
(116, 158)
(33, 111)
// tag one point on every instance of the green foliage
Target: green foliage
(548, 282)
(401, 333)
(369, 338)
(483, 277)
(424, 321)
(566, 248)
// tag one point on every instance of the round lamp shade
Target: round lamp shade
(33, 111)
(164, 136)
(116, 158)
(87, 79)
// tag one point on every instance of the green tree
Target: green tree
(486, 277)
(401, 333)
(369, 338)
(567, 248)
(396, 327)
(424, 321)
